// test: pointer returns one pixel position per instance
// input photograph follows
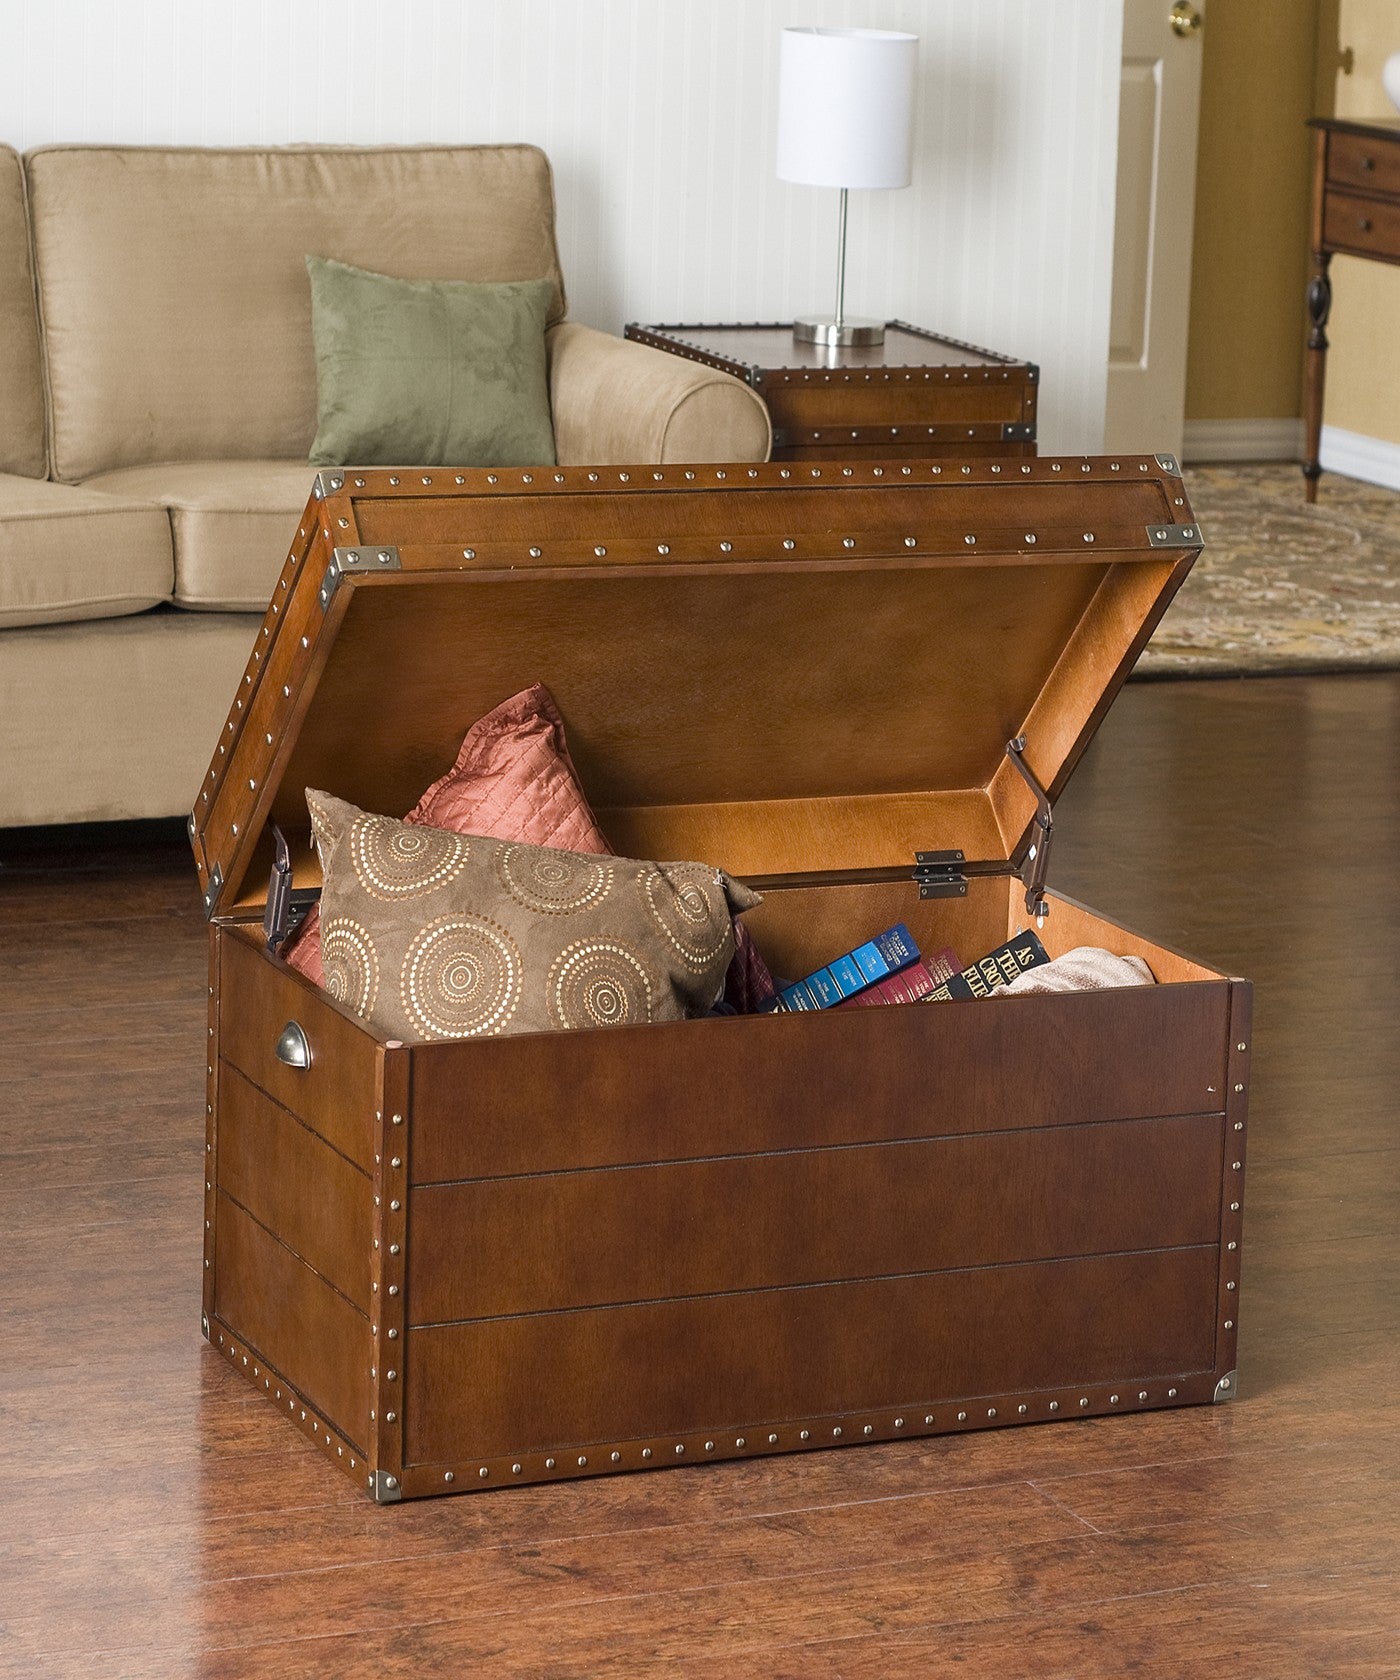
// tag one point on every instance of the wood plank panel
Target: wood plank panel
(306, 1330)
(295, 1184)
(334, 1096)
(756, 1221)
(703, 1088)
(505, 1385)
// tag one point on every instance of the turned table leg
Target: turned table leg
(1315, 367)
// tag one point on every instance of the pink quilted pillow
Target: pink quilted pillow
(513, 780)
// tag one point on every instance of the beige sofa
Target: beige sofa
(158, 398)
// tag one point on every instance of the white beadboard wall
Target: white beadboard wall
(658, 116)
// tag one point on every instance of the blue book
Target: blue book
(866, 966)
(798, 997)
(896, 945)
(868, 960)
(849, 979)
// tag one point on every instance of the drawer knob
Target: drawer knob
(1364, 223)
(1368, 164)
(293, 1047)
(1184, 19)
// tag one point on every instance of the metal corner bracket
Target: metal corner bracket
(1035, 868)
(211, 892)
(1225, 1388)
(1168, 463)
(360, 561)
(384, 1487)
(1175, 536)
(1018, 431)
(326, 484)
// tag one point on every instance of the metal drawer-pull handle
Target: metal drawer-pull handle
(292, 1046)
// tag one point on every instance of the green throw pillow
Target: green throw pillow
(433, 373)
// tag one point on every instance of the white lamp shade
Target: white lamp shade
(846, 107)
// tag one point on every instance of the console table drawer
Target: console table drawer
(1371, 225)
(1355, 161)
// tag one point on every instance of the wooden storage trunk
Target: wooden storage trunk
(915, 396)
(476, 1264)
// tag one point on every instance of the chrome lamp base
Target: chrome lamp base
(827, 329)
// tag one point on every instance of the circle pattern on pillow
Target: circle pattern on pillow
(678, 900)
(393, 861)
(552, 883)
(599, 983)
(350, 964)
(322, 831)
(461, 977)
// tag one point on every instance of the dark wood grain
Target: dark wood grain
(939, 1070)
(523, 1385)
(160, 1521)
(290, 1180)
(279, 1308)
(260, 996)
(645, 1233)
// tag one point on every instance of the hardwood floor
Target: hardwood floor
(158, 1519)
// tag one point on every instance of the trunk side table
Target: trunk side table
(917, 395)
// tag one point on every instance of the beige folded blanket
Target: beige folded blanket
(1085, 969)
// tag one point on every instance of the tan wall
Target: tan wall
(1249, 264)
(1363, 366)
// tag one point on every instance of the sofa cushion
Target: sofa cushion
(23, 446)
(232, 523)
(177, 309)
(68, 553)
(105, 721)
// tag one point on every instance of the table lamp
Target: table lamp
(845, 119)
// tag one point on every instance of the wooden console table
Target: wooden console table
(1356, 210)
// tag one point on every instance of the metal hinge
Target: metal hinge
(1022, 431)
(1036, 864)
(1174, 536)
(279, 891)
(286, 905)
(326, 484)
(384, 1487)
(211, 892)
(359, 560)
(939, 876)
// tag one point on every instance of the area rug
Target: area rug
(1282, 586)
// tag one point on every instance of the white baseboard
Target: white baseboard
(1367, 458)
(1242, 440)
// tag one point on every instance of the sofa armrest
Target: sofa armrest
(615, 401)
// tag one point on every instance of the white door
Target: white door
(1158, 115)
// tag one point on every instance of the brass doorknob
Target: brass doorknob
(1185, 19)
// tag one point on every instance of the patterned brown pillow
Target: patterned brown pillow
(430, 934)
